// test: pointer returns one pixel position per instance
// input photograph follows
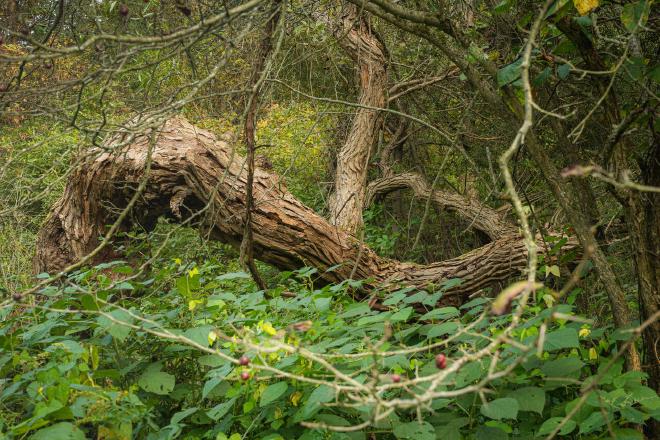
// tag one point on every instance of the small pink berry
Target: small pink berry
(441, 361)
(244, 360)
(396, 378)
(245, 375)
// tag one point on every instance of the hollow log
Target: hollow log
(193, 171)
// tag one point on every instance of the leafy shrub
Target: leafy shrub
(150, 356)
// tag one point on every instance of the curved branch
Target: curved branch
(483, 218)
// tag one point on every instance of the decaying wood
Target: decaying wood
(192, 169)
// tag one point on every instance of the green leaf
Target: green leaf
(233, 276)
(593, 422)
(157, 382)
(562, 338)
(509, 73)
(530, 399)
(355, 310)
(645, 396)
(210, 384)
(374, 318)
(417, 297)
(320, 395)
(503, 408)
(199, 335)
(414, 430)
(635, 15)
(59, 431)
(564, 367)
(221, 409)
(551, 424)
(563, 71)
(445, 328)
(441, 313)
(272, 393)
(451, 283)
(116, 324)
(177, 417)
(628, 434)
(394, 299)
(402, 315)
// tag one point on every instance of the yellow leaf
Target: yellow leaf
(549, 300)
(593, 355)
(177, 260)
(295, 398)
(585, 6)
(584, 332)
(554, 269)
(193, 303)
(268, 328)
(212, 337)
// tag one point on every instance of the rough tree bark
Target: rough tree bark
(362, 45)
(191, 169)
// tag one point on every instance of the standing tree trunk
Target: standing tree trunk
(362, 45)
(191, 170)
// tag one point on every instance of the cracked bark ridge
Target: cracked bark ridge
(192, 168)
(363, 46)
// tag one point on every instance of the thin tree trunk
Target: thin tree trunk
(363, 46)
(191, 169)
(256, 82)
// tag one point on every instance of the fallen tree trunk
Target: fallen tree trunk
(192, 170)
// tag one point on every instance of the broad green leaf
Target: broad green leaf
(177, 417)
(509, 73)
(564, 367)
(59, 431)
(394, 299)
(562, 338)
(416, 298)
(356, 309)
(380, 317)
(233, 276)
(551, 424)
(593, 422)
(503, 408)
(451, 283)
(157, 382)
(221, 409)
(272, 393)
(402, 315)
(116, 323)
(441, 313)
(414, 430)
(635, 15)
(628, 434)
(529, 399)
(322, 394)
(199, 335)
(446, 328)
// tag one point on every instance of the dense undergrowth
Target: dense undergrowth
(102, 357)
